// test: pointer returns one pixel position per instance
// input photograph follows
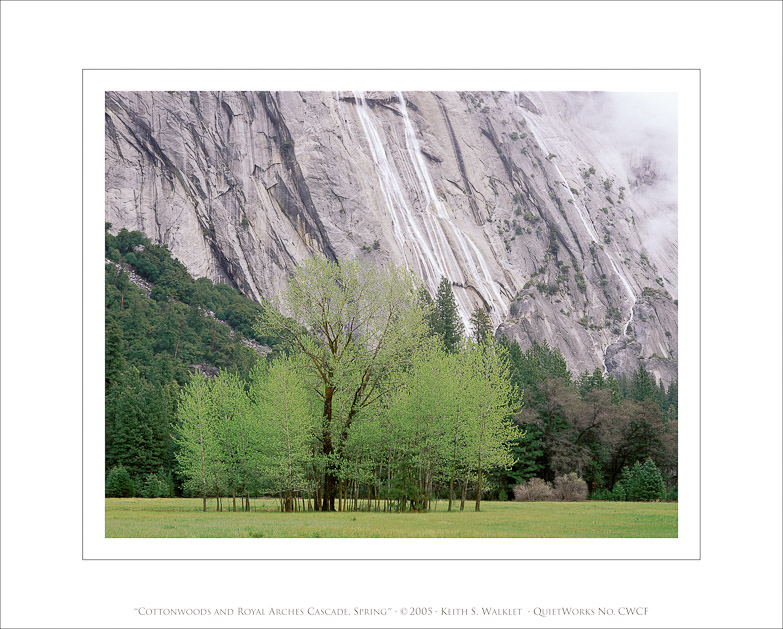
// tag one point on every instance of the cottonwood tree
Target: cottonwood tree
(355, 323)
(492, 428)
(284, 414)
(236, 434)
(419, 416)
(198, 449)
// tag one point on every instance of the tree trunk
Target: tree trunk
(205, 503)
(464, 494)
(478, 490)
(451, 491)
(330, 480)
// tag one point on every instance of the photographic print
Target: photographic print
(391, 314)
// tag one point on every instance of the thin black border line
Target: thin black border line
(405, 558)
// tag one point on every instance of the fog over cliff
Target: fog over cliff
(557, 212)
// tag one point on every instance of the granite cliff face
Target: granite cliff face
(563, 226)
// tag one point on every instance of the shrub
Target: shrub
(642, 483)
(569, 488)
(119, 483)
(602, 493)
(158, 486)
(534, 489)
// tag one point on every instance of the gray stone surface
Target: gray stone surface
(492, 190)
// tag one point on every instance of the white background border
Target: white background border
(45, 583)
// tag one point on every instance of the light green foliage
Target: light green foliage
(285, 427)
(417, 422)
(492, 430)
(356, 324)
(199, 447)
(234, 431)
(445, 419)
(452, 419)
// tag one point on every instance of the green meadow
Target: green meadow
(183, 517)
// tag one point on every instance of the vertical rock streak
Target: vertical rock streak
(592, 233)
(473, 258)
(433, 255)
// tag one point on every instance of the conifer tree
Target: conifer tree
(650, 484)
(481, 325)
(634, 483)
(643, 386)
(119, 483)
(447, 322)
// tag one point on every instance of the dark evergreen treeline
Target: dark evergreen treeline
(152, 346)
(591, 425)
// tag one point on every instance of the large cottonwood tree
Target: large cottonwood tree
(356, 323)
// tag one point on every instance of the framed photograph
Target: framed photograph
(399, 315)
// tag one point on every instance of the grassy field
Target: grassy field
(182, 517)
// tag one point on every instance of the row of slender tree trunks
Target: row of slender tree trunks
(351, 496)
